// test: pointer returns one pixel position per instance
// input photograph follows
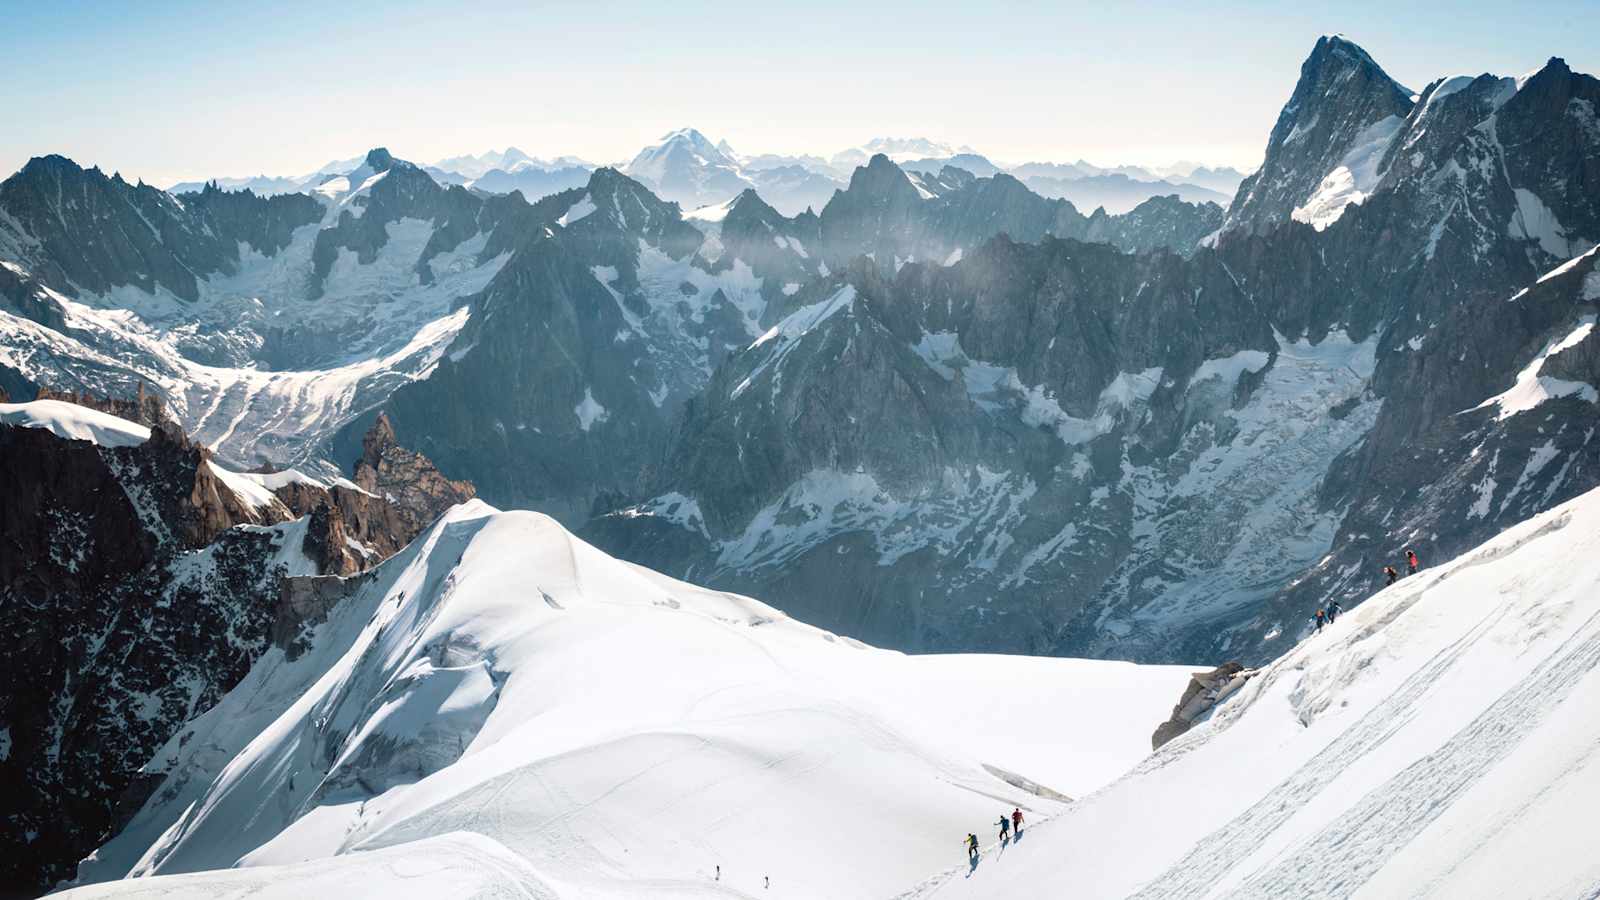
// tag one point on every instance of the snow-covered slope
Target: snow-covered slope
(1439, 741)
(503, 708)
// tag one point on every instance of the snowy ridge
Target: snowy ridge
(74, 422)
(1438, 741)
(588, 728)
(80, 423)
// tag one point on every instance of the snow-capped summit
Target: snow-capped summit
(897, 149)
(685, 166)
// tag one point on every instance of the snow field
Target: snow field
(1437, 741)
(617, 732)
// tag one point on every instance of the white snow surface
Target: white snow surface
(1354, 179)
(74, 422)
(714, 212)
(580, 209)
(503, 710)
(1442, 740)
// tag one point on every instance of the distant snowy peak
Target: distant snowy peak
(686, 167)
(510, 159)
(675, 146)
(1342, 111)
(897, 149)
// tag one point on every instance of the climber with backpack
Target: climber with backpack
(1411, 560)
(1321, 619)
(972, 846)
(1333, 611)
(1391, 574)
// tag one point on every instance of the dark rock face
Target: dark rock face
(111, 645)
(900, 448)
(567, 400)
(1157, 223)
(547, 409)
(1442, 471)
(132, 599)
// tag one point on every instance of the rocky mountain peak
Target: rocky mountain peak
(1341, 101)
(95, 530)
(749, 205)
(379, 439)
(1339, 52)
(50, 164)
(379, 159)
(407, 479)
(880, 174)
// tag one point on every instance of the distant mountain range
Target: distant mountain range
(688, 168)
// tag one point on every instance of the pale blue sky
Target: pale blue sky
(181, 90)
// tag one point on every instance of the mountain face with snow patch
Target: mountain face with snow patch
(265, 323)
(1067, 450)
(579, 358)
(1342, 110)
(139, 582)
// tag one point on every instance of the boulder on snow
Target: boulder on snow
(1205, 690)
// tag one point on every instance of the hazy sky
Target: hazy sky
(168, 91)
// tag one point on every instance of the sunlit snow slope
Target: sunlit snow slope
(1443, 740)
(502, 710)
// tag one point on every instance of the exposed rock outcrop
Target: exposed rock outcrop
(417, 491)
(1205, 691)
